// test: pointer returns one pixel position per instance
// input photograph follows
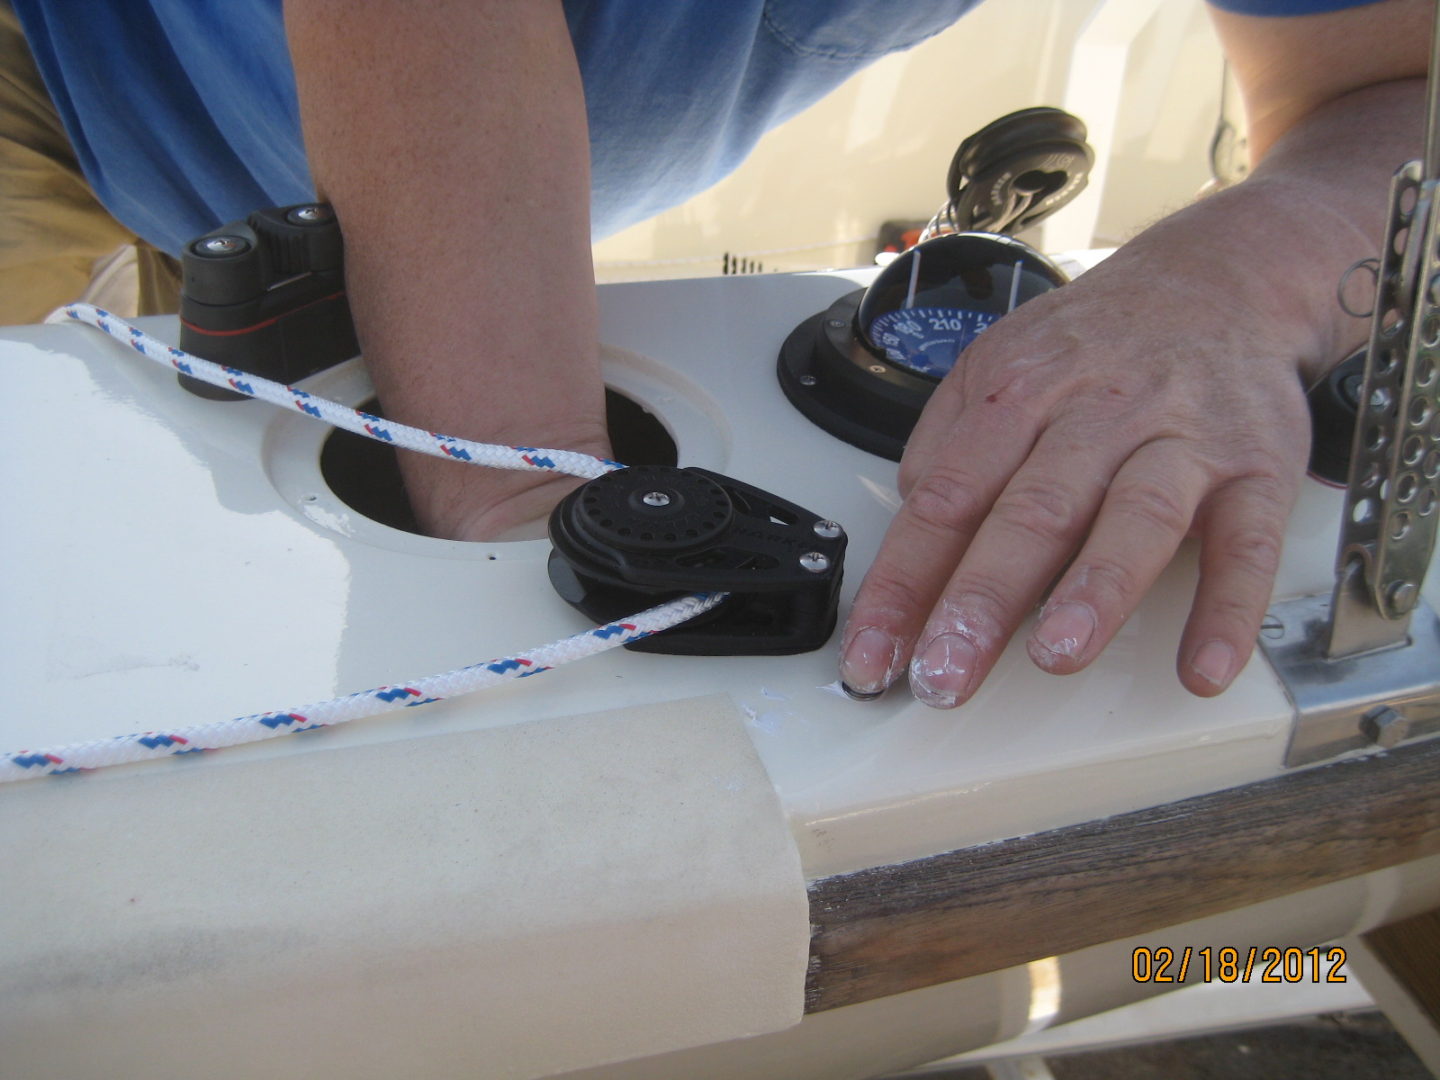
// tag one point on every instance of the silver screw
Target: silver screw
(1401, 596)
(838, 324)
(656, 498)
(828, 530)
(814, 561)
(878, 369)
(807, 380)
(223, 245)
(1272, 628)
(309, 213)
(1385, 726)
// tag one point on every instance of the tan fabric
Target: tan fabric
(53, 231)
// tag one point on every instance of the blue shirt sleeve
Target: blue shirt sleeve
(1287, 7)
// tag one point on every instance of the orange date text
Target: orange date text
(1242, 964)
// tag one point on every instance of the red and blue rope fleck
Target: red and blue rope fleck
(434, 443)
(124, 749)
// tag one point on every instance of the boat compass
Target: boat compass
(864, 368)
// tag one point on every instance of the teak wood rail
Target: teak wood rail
(890, 929)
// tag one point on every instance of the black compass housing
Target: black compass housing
(867, 386)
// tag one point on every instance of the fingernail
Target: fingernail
(1064, 631)
(866, 669)
(940, 675)
(1214, 662)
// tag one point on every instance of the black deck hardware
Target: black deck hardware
(639, 536)
(266, 296)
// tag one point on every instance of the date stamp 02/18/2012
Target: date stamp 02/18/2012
(1253, 963)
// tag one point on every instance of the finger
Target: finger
(926, 540)
(1032, 530)
(1146, 514)
(1242, 530)
(929, 535)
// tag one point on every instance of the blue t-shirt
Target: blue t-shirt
(1287, 7)
(183, 114)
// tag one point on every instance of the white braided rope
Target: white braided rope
(141, 746)
(434, 443)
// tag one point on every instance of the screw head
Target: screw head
(816, 562)
(222, 245)
(655, 498)
(1271, 628)
(828, 530)
(1401, 596)
(877, 369)
(310, 215)
(835, 324)
(1385, 726)
(807, 380)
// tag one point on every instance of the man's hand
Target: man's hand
(451, 139)
(1097, 429)
(1160, 395)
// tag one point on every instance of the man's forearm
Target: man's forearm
(1314, 206)
(1335, 104)
(451, 139)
